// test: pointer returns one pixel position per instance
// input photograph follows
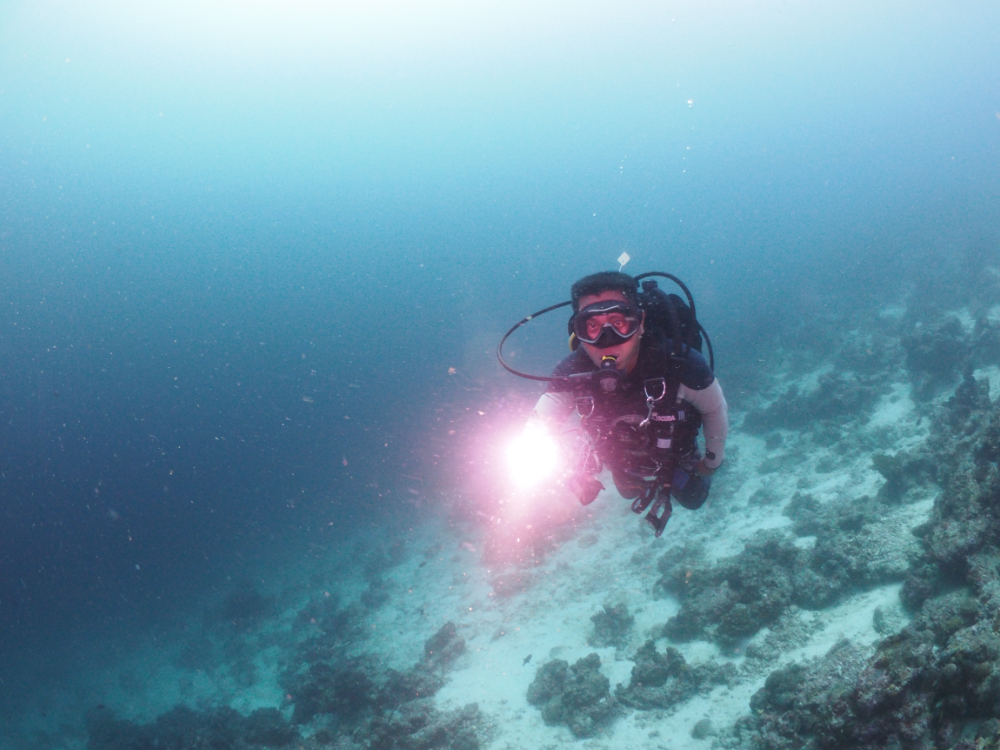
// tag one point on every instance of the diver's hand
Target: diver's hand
(705, 471)
(585, 488)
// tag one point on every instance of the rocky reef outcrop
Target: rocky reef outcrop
(611, 626)
(856, 547)
(353, 703)
(578, 696)
(665, 680)
(936, 684)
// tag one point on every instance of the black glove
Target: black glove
(585, 488)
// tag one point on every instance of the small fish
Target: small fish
(526, 660)
(468, 546)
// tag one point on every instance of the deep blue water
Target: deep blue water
(241, 246)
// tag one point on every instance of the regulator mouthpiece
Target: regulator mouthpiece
(609, 378)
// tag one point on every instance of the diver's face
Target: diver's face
(627, 352)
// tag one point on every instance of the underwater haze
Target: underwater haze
(256, 256)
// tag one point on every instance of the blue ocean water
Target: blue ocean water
(243, 244)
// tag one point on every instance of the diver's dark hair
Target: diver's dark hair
(604, 281)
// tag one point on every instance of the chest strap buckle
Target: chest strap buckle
(649, 386)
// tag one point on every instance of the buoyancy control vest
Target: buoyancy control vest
(640, 428)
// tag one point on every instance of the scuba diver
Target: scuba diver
(642, 388)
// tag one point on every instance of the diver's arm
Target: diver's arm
(554, 408)
(711, 403)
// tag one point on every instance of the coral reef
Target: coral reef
(959, 542)
(344, 690)
(732, 600)
(420, 726)
(902, 472)
(986, 341)
(355, 690)
(804, 701)
(611, 625)
(661, 681)
(578, 696)
(355, 702)
(378, 593)
(935, 684)
(328, 632)
(913, 693)
(443, 647)
(837, 397)
(703, 729)
(935, 353)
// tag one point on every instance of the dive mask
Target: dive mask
(605, 324)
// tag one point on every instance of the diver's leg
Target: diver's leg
(628, 486)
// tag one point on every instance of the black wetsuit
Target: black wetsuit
(630, 451)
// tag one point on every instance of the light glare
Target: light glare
(532, 455)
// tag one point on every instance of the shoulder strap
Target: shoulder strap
(661, 365)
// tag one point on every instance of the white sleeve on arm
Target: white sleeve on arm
(554, 408)
(715, 415)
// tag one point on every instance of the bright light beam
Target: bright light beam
(532, 455)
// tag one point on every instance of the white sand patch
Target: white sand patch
(894, 409)
(852, 619)
(810, 381)
(893, 312)
(918, 512)
(966, 319)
